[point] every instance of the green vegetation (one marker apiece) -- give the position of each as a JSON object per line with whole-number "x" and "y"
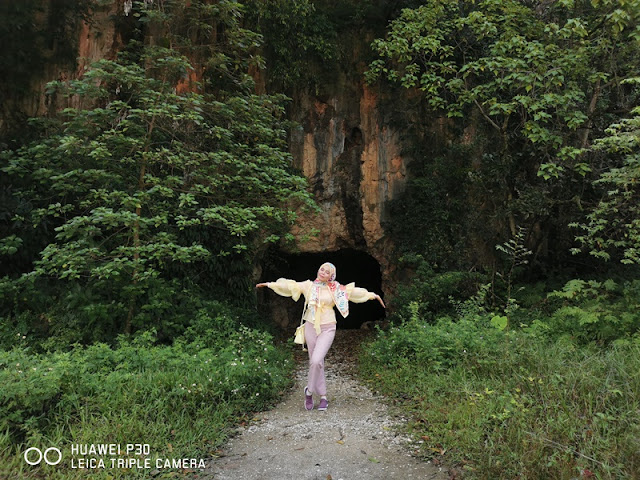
{"x": 511, "y": 405}
{"x": 613, "y": 224}
{"x": 129, "y": 192}
{"x": 133, "y": 215}
{"x": 163, "y": 168}
{"x": 181, "y": 399}
{"x": 508, "y": 380}
{"x": 310, "y": 44}
{"x": 525, "y": 365}
{"x": 527, "y": 90}
{"x": 538, "y": 401}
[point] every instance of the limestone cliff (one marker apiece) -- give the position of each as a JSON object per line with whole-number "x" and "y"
{"x": 57, "y": 49}
{"x": 353, "y": 162}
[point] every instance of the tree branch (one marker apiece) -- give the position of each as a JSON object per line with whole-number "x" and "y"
{"x": 494, "y": 124}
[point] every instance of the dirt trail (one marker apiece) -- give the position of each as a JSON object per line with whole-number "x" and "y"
{"x": 356, "y": 438}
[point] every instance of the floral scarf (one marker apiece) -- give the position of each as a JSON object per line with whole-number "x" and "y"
{"x": 338, "y": 292}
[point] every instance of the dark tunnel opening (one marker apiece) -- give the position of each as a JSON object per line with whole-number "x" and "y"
{"x": 351, "y": 266}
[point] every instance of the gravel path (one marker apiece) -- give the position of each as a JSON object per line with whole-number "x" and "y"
{"x": 356, "y": 438}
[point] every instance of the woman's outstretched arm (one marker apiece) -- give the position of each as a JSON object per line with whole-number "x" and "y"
{"x": 361, "y": 295}
{"x": 287, "y": 288}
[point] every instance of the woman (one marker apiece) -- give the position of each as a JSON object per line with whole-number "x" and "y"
{"x": 321, "y": 296}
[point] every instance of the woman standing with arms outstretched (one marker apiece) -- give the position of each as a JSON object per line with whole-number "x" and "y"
{"x": 321, "y": 295}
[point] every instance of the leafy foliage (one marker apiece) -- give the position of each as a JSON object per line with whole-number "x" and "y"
{"x": 427, "y": 218}
{"x": 587, "y": 311}
{"x": 146, "y": 195}
{"x": 144, "y": 180}
{"x": 516, "y": 254}
{"x": 297, "y": 34}
{"x": 613, "y": 226}
{"x": 521, "y": 402}
{"x": 429, "y": 294}
{"x": 531, "y": 85}
{"x": 309, "y": 45}
{"x": 522, "y": 70}
{"x": 439, "y": 346}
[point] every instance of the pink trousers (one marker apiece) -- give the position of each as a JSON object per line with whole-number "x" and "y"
{"x": 318, "y": 346}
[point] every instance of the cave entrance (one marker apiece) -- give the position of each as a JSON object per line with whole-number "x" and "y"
{"x": 351, "y": 266}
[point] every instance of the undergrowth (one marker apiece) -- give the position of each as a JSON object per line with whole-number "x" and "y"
{"x": 505, "y": 404}
{"x": 181, "y": 399}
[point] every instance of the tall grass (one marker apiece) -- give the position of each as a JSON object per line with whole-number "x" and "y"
{"x": 505, "y": 405}
{"x": 181, "y": 400}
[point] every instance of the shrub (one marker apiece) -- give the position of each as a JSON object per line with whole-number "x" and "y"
{"x": 81, "y": 316}
{"x": 441, "y": 346}
{"x": 189, "y": 393}
{"x": 588, "y": 311}
{"x": 432, "y": 292}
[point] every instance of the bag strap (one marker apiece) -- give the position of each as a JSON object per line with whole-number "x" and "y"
{"x": 304, "y": 310}
{"x": 306, "y": 304}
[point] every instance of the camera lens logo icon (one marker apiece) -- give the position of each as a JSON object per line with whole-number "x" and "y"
{"x": 36, "y": 458}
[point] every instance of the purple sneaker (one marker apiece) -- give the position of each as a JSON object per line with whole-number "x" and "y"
{"x": 324, "y": 403}
{"x": 308, "y": 399}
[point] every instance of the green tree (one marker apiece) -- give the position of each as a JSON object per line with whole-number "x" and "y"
{"x": 526, "y": 71}
{"x": 297, "y": 35}
{"x": 540, "y": 80}
{"x": 613, "y": 226}
{"x": 127, "y": 177}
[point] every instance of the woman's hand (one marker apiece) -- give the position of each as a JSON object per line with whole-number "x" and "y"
{"x": 260, "y": 285}
{"x": 377, "y": 297}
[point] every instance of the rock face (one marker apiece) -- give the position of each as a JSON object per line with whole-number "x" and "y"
{"x": 100, "y": 38}
{"x": 354, "y": 166}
